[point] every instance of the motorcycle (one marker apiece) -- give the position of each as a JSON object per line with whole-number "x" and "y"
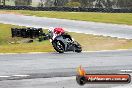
{"x": 61, "y": 43}
{"x": 64, "y": 43}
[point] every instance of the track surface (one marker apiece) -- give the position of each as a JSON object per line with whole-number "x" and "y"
{"x": 36, "y": 70}
{"x": 113, "y": 30}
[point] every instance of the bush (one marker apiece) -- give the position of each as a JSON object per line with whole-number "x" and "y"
{"x": 73, "y": 4}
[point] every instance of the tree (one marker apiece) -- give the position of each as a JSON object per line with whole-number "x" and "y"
{"x": 60, "y": 2}
{"x": 42, "y": 3}
{"x": 23, "y": 2}
{"x": 49, "y": 3}
{"x": 124, "y": 3}
{"x": 108, "y": 3}
{"x": 75, "y": 0}
{"x": 0, "y": 2}
{"x": 55, "y": 2}
{"x": 73, "y": 4}
{"x": 98, "y": 4}
{"x": 3, "y": 2}
{"x": 87, "y": 3}
{"x": 104, "y": 3}
{"x": 129, "y": 4}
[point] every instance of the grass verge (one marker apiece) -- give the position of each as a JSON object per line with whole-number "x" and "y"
{"x": 116, "y": 18}
{"x": 7, "y": 47}
{"x": 88, "y": 42}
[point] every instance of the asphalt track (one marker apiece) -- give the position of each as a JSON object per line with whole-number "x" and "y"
{"x": 54, "y": 70}
{"x": 113, "y": 30}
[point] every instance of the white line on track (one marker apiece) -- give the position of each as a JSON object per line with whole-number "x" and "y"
{"x": 4, "y": 76}
{"x": 21, "y": 75}
{"x": 124, "y": 86}
{"x": 109, "y": 50}
{"x": 126, "y": 70}
{"x": 82, "y": 51}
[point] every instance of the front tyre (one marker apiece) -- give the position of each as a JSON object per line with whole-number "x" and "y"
{"x": 58, "y": 46}
{"x": 78, "y": 47}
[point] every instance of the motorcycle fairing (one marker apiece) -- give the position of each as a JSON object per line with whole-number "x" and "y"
{"x": 63, "y": 39}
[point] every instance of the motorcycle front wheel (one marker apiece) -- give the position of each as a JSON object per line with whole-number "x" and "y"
{"x": 58, "y": 46}
{"x": 78, "y": 47}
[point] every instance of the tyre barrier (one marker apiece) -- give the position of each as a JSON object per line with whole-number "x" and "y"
{"x": 27, "y": 32}
{"x": 70, "y": 9}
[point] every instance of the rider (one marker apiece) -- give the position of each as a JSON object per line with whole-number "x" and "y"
{"x": 56, "y": 31}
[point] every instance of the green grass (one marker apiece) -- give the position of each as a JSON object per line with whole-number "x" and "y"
{"x": 96, "y": 43}
{"x": 116, "y": 18}
{"x": 6, "y": 45}
{"x": 88, "y": 42}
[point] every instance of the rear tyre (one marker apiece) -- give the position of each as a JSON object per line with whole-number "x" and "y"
{"x": 58, "y": 46}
